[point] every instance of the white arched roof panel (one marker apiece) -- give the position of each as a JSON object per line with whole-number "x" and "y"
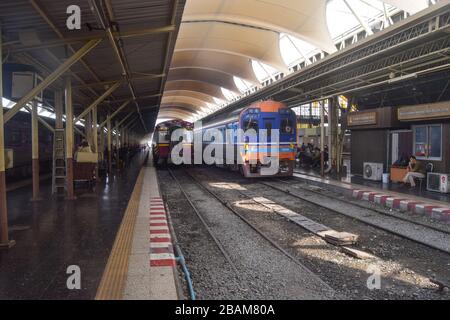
{"x": 188, "y": 93}
{"x": 305, "y": 19}
{"x": 216, "y": 78}
{"x": 410, "y": 6}
{"x": 181, "y": 105}
{"x": 184, "y": 99}
{"x": 174, "y": 112}
{"x": 202, "y": 87}
{"x": 231, "y": 64}
{"x": 248, "y": 42}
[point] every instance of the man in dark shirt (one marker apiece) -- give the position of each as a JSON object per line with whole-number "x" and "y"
{"x": 415, "y": 170}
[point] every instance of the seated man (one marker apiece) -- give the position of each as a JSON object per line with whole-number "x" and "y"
{"x": 415, "y": 170}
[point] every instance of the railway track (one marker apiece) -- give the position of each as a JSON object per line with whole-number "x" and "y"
{"x": 365, "y": 206}
{"x": 254, "y": 227}
{"x": 304, "y": 284}
{"x": 422, "y": 233}
{"x": 202, "y": 219}
{"x": 437, "y": 238}
{"x": 408, "y": 260}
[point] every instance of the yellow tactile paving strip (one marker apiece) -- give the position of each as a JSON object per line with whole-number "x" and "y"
{"x": 115, "y": 273}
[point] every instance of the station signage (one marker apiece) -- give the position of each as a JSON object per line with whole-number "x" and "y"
{"x": 424, "y": 112}
{"x": 362, "y": 118}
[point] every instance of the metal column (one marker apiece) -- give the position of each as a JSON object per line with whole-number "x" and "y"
{"x": 108, "y": 128}
{"x": 333, "y": 120}
{"x": 88, "y": 129}
{"x": 95, "y": 138}
{"x": 4, "y": 238}
{"x": 101, "y": 146}
{"x": 117, "y": 145}
{"x": 59, "y": 109}
{"x": 322, "y": 138}
{"x": 69, "y": 140}
{"x": 35, "y": 150}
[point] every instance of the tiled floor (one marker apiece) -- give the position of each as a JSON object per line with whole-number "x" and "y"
{"x": 54, "y": 234}
{"x": 396, "y": 187}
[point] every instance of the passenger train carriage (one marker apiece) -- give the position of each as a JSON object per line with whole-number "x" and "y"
{"x": 162, "y": 144}
{"x": 250, "y": 157}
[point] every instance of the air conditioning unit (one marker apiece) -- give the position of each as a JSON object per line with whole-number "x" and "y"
{"x": 373, "y": 171}
{"x": 438, "y": 182}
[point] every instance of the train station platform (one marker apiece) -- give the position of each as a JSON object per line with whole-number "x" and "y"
{"x": 54, "y": 234}
{"x": 392, "y": 196}
{"x": 142, "y": 264}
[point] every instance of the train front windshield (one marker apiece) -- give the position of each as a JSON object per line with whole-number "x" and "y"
{"x": 250, "y": 122}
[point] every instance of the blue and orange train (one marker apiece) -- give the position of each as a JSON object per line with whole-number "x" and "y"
{"x": 248, "y": 155}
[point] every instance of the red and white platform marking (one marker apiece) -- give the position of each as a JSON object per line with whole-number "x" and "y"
{"x": 161, "y": 247}
{"x": 404, "y": 204}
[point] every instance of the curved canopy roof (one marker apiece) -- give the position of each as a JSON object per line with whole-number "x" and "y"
{"x": 219, "y": 39}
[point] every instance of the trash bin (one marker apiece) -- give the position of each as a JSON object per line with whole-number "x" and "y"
{"x": 386, "y": 177}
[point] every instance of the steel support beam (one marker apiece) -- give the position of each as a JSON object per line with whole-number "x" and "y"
{"x": 123, "y": 120}
{"x": 50, "y": 79}
{"x": 141, "y": 32}
{"x": 121, "y": 57}
{"x": 69, "y": 140}
{"x": 95, "y": 138}
{"x": 111, "y": 82}
{"x": 122, "y": 106}
{"x": 41, "y": 120}
{"x": 4, "y": 237}
{"x": 359, "y": 18}
{"x": 59, "y": 109}
{"x": 322, "y": 139}
{"x": 97, "y": 101}
{"x": 35, "y": 151}
{"x": 118, "y": 146}
{"x": 109, "y": 141}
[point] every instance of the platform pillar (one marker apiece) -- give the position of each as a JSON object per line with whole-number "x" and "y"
{"x": 116, "y": 138}
{"x": 108, "y": 142}
{"x": 101, "y": 143}
{"x": 88, "y": 129}
{"x": 59, "y": 109}
{"x": 69, "y": 140}
{"x": 35, "y": 150}
{"x": 333, "y": 123}
{"x": 322, "y": 138}
{"x": 4, "y": 237}
{"x": 95, "y": 137}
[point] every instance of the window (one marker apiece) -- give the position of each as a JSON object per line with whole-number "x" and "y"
{"x": 286, "y": 126}
{"x": 428, "y": 142}
{"x": 163, "y": 137}
{"x": 250, "y": 123}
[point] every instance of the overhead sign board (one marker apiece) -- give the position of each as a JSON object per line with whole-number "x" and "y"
{"x": 424, "y": 112}
{"x": 362, "y": 118}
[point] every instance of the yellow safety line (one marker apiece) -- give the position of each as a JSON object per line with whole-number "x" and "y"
{"x": 114, "y": 276}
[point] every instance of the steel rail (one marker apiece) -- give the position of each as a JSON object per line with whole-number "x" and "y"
{"x": 251, "y": 225}
{"x": 205, "y": 224}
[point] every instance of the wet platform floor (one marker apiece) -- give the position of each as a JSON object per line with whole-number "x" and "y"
{"x": 54, "y": 234}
